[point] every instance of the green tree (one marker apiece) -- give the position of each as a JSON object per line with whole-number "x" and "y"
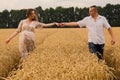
{"x": 40, "y": 13}
{"x": 16, "y": 16}
{"x": 5, "y": 18}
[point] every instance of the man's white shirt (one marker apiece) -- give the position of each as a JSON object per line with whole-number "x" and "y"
{"x": 95, "y": 28}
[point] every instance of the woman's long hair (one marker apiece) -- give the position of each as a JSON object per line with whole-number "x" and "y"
{"x": 29, "y": 12}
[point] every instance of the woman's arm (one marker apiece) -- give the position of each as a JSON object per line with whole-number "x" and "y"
{"x": 47, "y": 25}
{"x": 11, "y": 37}
{"x": 15, "y": 33}
{"x": 50, "y": 24}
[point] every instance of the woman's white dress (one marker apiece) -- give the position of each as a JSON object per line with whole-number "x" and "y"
{"x": 27, "y": 37}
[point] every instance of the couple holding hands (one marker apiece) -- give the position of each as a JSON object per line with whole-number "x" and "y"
{"x": 94, "y": 23}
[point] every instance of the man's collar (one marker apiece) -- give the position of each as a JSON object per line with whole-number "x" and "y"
{"x": 97, "y": 16}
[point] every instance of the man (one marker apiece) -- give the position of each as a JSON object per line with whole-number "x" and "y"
{"x": 95, "y": 24}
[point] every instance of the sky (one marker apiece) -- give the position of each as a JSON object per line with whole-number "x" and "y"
{"x": 25, "y": 4}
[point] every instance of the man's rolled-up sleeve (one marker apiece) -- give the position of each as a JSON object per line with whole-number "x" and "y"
{"x": 106, "y": 24}
{"x": 82, "y": 23}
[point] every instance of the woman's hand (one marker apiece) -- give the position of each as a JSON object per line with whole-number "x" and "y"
{"x": 7, "y": 41}
{"x": 57, "y": 24}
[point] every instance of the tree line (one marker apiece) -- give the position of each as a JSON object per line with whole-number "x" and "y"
{"x": 10, "y": 19}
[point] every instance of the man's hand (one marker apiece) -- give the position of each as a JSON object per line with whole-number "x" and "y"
{"x": 62, "y": 24}
{"x": 112, "y": 41}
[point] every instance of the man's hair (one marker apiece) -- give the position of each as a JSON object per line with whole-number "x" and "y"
{"x": 95, "y": 7}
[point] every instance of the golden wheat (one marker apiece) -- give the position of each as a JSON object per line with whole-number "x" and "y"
{"x": 61, "y": 54}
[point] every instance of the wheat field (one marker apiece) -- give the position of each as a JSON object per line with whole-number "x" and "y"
{"x": 60, "y": 54}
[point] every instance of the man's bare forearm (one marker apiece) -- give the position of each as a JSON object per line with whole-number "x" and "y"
{"x": 112, "y": 36}
{"x": 70, "y": 24}
{"x": 111, "y": 33}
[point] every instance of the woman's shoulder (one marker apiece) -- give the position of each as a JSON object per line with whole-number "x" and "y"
{"x": 36, "y": 22}
{"x": 23, "y": 20}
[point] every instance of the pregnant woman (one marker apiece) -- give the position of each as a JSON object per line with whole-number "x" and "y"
{"x": 27, "y": 29}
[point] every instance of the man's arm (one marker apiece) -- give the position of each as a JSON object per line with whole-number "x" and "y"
{"x": 68, "y": 24}
{"x": 50, "y": 24}
{"x": 112, "y": 36}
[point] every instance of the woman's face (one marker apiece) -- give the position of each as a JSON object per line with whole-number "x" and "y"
{"x": 32, "y": 15}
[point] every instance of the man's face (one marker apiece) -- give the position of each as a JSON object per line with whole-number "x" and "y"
{"x": 92, "y": 11}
